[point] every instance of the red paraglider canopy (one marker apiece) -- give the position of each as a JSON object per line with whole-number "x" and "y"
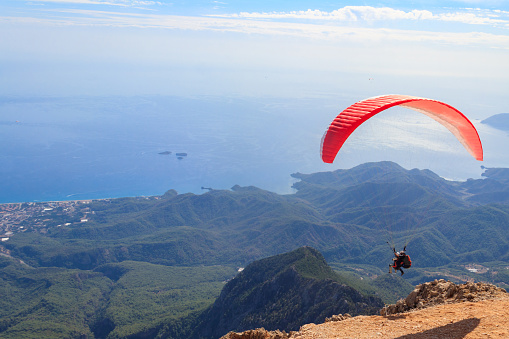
{"x": 354, "y": 116}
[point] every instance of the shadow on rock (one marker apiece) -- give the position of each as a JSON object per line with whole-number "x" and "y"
{"x": 455, "y": 330}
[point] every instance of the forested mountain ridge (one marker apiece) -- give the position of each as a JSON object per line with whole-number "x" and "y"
{"x": 180, "y": 230}
{"x": 282, "y": 292}
{"x": 448, "y": 221}
{"x": 343, "y": 214}
{"x": 392, "y": 184}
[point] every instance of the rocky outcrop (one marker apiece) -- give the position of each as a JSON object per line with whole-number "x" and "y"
{"x": 441, "y": 292}
{"x": 259, "y": 333}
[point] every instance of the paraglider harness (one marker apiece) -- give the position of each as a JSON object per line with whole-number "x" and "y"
{"x": 401, "y": 260}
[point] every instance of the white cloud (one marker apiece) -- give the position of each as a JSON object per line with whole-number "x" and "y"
{"x": 493, "y": 18}
{"x": 348, "y": 13}
{"x": 368, "y": 13}
{"x": 263, "y": 27}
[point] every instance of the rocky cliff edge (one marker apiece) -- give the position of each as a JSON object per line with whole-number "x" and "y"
{"x": 437, "y": 309}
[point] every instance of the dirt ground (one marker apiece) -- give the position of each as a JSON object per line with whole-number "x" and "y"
{"x": 482, "y": 319}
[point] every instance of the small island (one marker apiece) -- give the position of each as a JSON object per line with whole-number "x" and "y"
{"x": 498, "y": 121}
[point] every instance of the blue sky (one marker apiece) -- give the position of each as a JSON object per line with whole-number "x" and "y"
{"x": 255, "y": 48}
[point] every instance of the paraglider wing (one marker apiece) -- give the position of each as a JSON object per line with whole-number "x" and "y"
{"x": 355, "y": 115}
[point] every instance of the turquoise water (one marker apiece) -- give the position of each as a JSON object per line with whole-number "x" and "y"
{"x": 84, "y": 148}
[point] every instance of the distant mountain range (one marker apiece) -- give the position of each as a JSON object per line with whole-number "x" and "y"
{"x": 129, "y": 247}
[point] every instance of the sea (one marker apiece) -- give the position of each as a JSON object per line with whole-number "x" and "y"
{"x": 76, "y": 148}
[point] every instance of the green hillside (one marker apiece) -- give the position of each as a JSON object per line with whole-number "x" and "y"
{"x": 114, "y": 301}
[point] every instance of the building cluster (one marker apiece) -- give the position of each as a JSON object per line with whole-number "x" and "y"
{"x": 39, "y": 216}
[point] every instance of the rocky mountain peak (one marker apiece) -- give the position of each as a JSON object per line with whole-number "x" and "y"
{"x": 283, "y": 292}
{"x": 440, "y": 292}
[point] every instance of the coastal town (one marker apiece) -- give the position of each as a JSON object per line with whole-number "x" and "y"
{"x": 40, "y": 216}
